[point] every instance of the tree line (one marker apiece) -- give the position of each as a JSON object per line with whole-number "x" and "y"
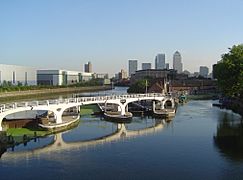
{"x": 229, "y": 72}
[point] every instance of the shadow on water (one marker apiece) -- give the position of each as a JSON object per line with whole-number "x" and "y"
{"x": 229, "y": 137}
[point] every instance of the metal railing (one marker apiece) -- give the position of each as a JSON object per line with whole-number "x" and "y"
{"x": 10, "y": 106}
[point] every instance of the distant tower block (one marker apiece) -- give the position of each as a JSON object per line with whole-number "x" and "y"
{"x": 177, "y": 64}
{"x": 88, "y": 67}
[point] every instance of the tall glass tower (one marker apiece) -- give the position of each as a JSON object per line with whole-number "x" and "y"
{"x": 177, "y": 64}
{"x": 132, "y": 66}
{"x": 160, "y": 61}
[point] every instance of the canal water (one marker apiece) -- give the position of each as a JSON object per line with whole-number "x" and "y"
{"x": 201, "y": 142}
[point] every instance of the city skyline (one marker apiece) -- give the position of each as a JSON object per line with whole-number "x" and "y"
{"x": 64, "y": 35}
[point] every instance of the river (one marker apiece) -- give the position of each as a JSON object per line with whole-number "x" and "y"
{"x": 201, "y": 142}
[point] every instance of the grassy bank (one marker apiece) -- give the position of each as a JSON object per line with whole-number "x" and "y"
{"x": 19, "y": 135}
{"x": 46, "y": 93}
{"x": 89, "y": 109}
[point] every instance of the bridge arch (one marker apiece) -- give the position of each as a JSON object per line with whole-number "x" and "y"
{"x": 60, "y": 105}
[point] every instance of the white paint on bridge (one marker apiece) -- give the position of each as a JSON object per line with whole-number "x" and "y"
{"x": 58, "y": 106}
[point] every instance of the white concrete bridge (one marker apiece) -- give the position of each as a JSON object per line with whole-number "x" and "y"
{"x": 58, "y": 106}
{"x": 59, "y": 145}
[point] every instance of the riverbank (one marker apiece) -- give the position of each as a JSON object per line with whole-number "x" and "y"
{"x": 234, "y": 104}
{"x": 45, "y": 93}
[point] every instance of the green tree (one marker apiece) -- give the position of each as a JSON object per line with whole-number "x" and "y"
{"x": 138, "y": 87}
{"x": 229, "y": 71}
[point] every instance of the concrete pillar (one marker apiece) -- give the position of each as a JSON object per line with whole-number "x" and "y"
{"x": 123, "y": 109}
{"x": 58, "y": 116}
{"x": 153, "y": 106}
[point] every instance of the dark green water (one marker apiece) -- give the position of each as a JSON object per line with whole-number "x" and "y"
{"x": 201, "y": 142}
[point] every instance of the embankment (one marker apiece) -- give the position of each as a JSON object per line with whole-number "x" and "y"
{"x": 8, "y": 96}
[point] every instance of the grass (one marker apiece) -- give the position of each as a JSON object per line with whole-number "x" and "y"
{"x": 89, "y": 109}
{"x": 25, "y": 131}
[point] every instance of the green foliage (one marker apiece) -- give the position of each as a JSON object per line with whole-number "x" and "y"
{"x": 139, "y": 86}
{"x": 229, "y": 71}
{"x": 7, "y": 86}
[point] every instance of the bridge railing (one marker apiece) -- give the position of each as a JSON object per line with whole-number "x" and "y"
{"x": 9, "y": 106}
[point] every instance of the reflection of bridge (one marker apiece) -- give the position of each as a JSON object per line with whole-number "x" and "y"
{"x": 59, "y": 145}
{"x": 60, "y": 105}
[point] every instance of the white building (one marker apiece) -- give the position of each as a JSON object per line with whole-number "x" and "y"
{"x": 203, "y": 71}
{"x": 146, "y": 66}
{"x": 177, "y": 64}
{"x": 17, "y": 74}
{"x": 61, "y": 77}
{"x": 160, "y": 61}
{"x": 132, "y": 67}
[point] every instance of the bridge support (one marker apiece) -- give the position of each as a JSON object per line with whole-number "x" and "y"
{"x": 123, "y": 109}
{"x": 58, "y": 116}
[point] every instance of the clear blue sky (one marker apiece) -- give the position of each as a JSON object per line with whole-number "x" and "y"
{"x": 68, "y": 33}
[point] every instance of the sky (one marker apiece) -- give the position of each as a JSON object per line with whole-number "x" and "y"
{"x": 65, "y": 34}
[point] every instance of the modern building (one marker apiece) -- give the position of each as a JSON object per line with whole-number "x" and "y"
{"x": 160, "y": 61}
{"x": 146, "y": 66}
{"x": 17, "y": 75}
{"x": 132, "y": 67}
{"x": 203, "y": 71}
{"x": 177, "y": 64}
{"x": 88, "y": 67}
{"x": 61, "y": 77}
{"x": 101, "y": 76}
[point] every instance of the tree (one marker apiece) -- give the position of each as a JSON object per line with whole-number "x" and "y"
{"x": 229, "y": 71}
{"x": 138, "y": 87}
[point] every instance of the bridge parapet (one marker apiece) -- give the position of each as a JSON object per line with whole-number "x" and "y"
{"x": 10, "y": 106}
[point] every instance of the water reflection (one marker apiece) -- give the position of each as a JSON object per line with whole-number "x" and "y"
{"x": 229, "y": 137}
{"x": 58, "y": 143}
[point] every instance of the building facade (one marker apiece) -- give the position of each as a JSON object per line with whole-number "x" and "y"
{"x": 153, "y": 74}
{"x": 17, "y": 74}
{"x": 146, "y": 66}
{"x": 132, "y": 67}
{"x": 203, "y": 71}
{"x": 88, "y": 67}
{"x": 160, "y": 61}
{"x": 177, "y": 64}
{"x": 61, "y": 77}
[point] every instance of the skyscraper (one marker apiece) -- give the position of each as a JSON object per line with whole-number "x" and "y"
{"x": 132, "y": 66}
{"x": 88, "y": 67}
{"x": 177, "y": 64}
{"x": 203, "y": 71}
{"x": 160, "y": 61}
{"x": 146, "y": 66}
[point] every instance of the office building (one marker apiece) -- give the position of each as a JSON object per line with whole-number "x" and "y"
{"x": 88, "y": 67}
{"x": 203, "y": 71}
{"x": 146, "y": 66}
{"x": 160, "y": 61}
{"x": 177, "y": 64}
{"x": 61, "y": 77}
{"x": 132, "y": 67}
{"x": 17, "y": 75}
